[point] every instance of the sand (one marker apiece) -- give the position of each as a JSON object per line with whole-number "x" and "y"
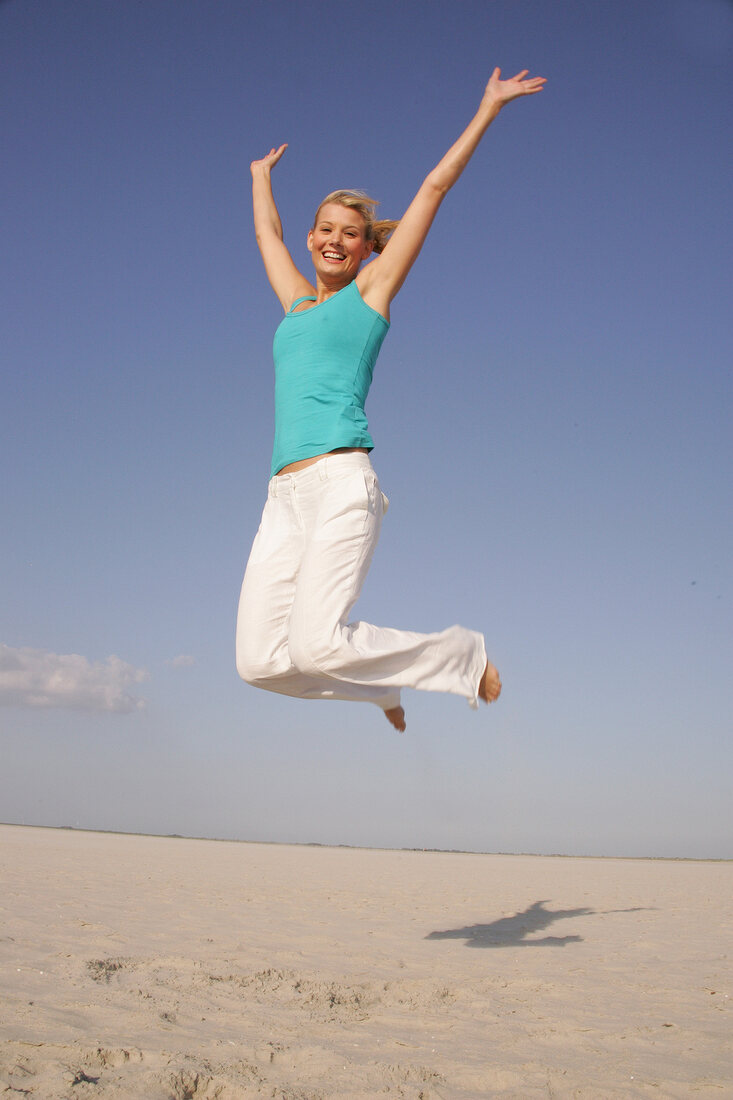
{"x": 156, "y": 968}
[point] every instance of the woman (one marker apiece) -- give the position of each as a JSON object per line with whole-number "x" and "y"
{"x": 324, "y": 510}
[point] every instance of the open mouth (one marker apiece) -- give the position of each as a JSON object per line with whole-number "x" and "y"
{"x": 333, "y": 257}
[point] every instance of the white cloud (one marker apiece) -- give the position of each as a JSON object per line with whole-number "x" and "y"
{"x": 36, "y": 678}
{"x": 182, "y": 661}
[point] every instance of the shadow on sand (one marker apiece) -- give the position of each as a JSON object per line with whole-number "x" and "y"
{"x": 513, "y": 931}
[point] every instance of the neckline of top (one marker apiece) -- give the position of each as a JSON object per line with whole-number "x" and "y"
{"x": 312, "y": 298}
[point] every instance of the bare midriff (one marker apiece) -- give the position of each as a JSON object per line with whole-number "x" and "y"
{"x": 293, "y": 467}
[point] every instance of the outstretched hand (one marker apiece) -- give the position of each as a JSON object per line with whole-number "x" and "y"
{"x": 268, "y": 162}
{"x": 500, "y": 91}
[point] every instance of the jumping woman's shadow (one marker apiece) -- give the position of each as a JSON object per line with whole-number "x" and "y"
{"x": 513, "y": 931}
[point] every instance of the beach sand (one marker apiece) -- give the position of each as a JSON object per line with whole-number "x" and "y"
{"x": 155, "y": 968}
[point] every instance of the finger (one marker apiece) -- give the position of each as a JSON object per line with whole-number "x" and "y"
{"x": 521, "y": 76}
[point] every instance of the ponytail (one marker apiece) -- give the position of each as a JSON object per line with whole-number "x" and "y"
{"x": 381, "y": 232}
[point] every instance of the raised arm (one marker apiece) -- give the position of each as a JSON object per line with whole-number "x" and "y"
{"x": 285, "y": 279}
{"x": 380, "y": 280}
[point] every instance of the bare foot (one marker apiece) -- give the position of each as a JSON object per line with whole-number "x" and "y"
{"x": 396, "y": 715}
{"x": 490, "y": 686}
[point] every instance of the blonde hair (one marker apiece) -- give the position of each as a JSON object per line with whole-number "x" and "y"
{"x": 377, "y": 231}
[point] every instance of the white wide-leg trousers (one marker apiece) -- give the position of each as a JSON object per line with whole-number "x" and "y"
{"x": 306, "y": 569}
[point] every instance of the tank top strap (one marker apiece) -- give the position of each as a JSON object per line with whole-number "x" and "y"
{"x": 305, "y": 298}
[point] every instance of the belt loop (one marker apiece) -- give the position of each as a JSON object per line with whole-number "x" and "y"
{"x": 323, "y": 469}
{"x": 273, "y": 486}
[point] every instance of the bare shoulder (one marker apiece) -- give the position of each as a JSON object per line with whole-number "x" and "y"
{"x": 288, "y": 283}
{"x": 374, "y": 291}
{"x": 303, "y": 290}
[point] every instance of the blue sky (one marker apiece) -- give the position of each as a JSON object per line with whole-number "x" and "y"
{"x": 551, "y": 411}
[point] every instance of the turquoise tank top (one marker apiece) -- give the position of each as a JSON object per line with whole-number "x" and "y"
{"x": 324, "y": 361}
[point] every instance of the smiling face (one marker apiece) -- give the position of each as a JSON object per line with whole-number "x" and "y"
{"x": 338, "y": 243}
